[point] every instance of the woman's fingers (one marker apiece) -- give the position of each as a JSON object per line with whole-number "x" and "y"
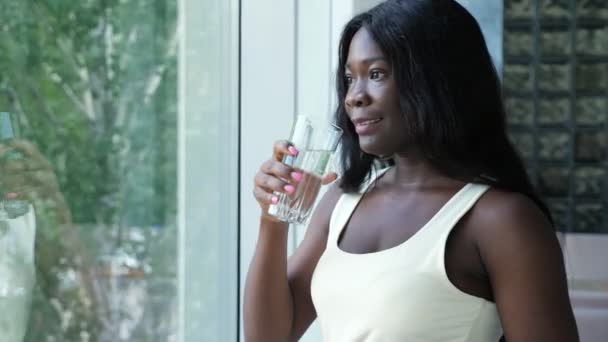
{"x": 273, "y": 184}
{"x": 25, "y": 173}
{"x": 39, "y": 178}
{"x": 329, "y": 177}
{"x": 275, "y": 176}
{"x": 282, "y": 148}
{"x": 282, "y": 171}
{"x": 31, "y": 184}
{"x": 264, "y": 197}
{"x": 30, "y": 157}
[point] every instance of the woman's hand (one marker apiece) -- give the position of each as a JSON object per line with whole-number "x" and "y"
{"x": 26, "y": 175}
{"x": 275, "y": 176}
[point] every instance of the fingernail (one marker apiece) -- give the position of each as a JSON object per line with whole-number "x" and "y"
{"x": 289, "y": 188}
{"x": 274, "y": 200}
{"x": 293, "y": 150}
{"x": 297, "y": 176}
{"x": 10, "y": 195}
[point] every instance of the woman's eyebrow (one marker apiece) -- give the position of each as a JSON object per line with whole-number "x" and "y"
{"x": 368, "y": 60}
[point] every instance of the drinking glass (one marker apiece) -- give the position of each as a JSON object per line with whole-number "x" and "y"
{"x": 11, "y": 208}
{"x": 316, "y": 141}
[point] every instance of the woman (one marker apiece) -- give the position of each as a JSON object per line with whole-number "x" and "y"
{"x": 38, "y": 247}
{"x": 447, "y": 243}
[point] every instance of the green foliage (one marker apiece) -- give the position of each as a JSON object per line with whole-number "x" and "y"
{"x": 93, "y": 85}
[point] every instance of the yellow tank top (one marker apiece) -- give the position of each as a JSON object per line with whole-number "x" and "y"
{"x": 402, "y": 293}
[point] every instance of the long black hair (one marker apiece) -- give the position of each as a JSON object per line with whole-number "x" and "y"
{"x": 449, "y": 90}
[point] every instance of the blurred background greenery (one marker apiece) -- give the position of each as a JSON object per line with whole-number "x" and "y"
{"x": 93, "y": 85}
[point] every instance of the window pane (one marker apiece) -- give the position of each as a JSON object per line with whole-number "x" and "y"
{"x": 88, "y": 229}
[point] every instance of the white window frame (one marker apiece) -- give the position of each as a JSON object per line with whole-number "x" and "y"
{"x": 208, "y": 170}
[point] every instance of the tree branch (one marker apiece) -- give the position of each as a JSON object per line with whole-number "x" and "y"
{"x": 87, "y": 102}
{"x": 69, "y": 92}
{"x": 13, "y": 97}
{"x": 153, "y": 80}
{"x": 40, "y": 99}
{"x": 156, "y": 76}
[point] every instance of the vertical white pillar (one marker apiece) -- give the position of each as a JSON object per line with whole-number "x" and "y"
{"x": 208, "y": 155}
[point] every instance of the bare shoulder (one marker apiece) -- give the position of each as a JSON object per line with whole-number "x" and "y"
{"x": 523, "y": 259}
{"x": 500, "y": 215}
{"x": 509, "y": 229}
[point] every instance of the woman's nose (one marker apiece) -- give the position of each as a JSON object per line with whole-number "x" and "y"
{"x": 357, "y": 96}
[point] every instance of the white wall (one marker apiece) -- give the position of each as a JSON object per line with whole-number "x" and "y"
{"x": 267, "y": 101}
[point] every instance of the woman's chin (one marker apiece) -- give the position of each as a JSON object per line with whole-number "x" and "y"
{"x": 373, "y": 149}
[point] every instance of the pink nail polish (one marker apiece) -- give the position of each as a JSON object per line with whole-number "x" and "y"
{"x": 293, "y": 150}
{"x": 290, "y": 189}
{"x": 274, "y": 200}
{"x": 297, "y": 176}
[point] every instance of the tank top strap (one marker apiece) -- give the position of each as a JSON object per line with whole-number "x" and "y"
{"x": 457, "y": 207}
{"x": 448, "y": 218}
{"x": 346, "y": 206}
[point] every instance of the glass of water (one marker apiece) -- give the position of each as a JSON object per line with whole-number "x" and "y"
{"x": 316, "y": 142}
{"x": 11, "y": 208}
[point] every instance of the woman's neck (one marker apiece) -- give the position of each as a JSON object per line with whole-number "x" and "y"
{"x": 412, "y": 170}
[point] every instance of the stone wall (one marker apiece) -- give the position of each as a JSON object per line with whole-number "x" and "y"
{"x": 556, "y": 88}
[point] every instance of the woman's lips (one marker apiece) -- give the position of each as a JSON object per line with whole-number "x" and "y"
{"x": 366, "y": 126}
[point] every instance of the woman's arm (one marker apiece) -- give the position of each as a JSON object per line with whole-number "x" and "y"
{"x": 524, "y": 261}
{"x": 277, "y": 305}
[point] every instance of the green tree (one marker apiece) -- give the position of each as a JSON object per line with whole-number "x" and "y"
{"x": 93, "y": 85}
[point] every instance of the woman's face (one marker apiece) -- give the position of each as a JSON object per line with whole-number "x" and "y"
{"x": 372, "y": 98}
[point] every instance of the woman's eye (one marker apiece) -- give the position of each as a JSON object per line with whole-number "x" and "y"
{"x": 375, "y": 74}
{"x": 348, "y": 79}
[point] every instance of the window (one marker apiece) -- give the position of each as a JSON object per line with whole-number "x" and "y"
{"x": 119, "y": 160}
